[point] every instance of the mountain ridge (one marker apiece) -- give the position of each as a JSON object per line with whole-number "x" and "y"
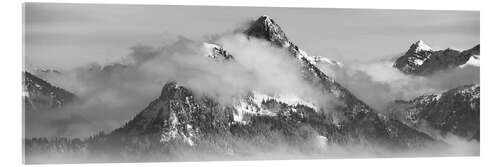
{"x": 39, "y": 94}
{"x": 454, "y": 111}
{"x": 421, "y": 59}
{"x": 363, "y": 123}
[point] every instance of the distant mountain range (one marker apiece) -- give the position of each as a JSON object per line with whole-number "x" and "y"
{"x": 421, "y": 59}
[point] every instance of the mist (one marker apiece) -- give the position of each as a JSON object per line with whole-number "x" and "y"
{"x": 115, "y": 93}
{"x": 307, "y": 145}
{"x": 378, "y": 83}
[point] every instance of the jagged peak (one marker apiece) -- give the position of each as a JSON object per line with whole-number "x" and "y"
{"x": 420, "y": 46}
{"x": 266, "y": 19}
{"x": 171, "y": 89}
{"x": 266, "y": 28}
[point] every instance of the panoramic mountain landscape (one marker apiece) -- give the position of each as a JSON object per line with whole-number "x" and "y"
{"x": 252, "y": 94}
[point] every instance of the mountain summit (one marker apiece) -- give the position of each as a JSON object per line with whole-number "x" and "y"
{"x": 266, "y": 28}
{"x": 419, "y": 46}
{"x": 421, "y": 59}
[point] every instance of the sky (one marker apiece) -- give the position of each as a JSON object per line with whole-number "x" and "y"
{"x": 64, "y": 36}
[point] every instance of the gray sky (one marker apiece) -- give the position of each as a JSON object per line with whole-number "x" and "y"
{"x": 69, "y": 35}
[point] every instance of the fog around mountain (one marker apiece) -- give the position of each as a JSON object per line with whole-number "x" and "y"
{"x": 144, "y": 95}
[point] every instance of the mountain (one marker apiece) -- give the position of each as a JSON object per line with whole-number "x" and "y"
{"x": 179, "y": 118}
{"x": 455, "y": 111}
{"x": 421, "y": 59}
{"x": 217, "y": 52}
{"x": 41, "y": 95}
{"x": 360, "y": 117}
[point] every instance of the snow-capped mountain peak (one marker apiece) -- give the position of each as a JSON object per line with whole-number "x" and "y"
{"x": 265, "y": 27}
{"x": 180, "y": 115}
{"x": 421, "y": 46}
{"x": 420, "y": 59}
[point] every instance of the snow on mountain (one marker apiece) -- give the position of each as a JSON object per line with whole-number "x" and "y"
{"x": 473, "y": 61}
{"x": 354, "y": 109}
{"x": 421, "y": 46}
{"x": 455, "y": 111}
{"x": 170, "y": 131}
{"x": 420, "y": 59}
{"x": 38, "y": 94}
{"x": 265, "y": 27}
{"x": 254, "y": 104}
{"x": 178, "y": 116}
{"x": 216, "y": 52}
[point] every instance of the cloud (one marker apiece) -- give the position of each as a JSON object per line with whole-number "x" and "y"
{"x": 63, "y": 125}
{"x": 118, "y": 91}
{"x": 123, "y": 89}
{"x": 378, "y": 83}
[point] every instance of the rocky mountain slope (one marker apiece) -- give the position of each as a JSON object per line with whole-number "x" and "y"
{"x": 40, "y": 95}
{"x": 178, "y": 117}
{"x": 421, "y": 59}
{"x": 455, "y": 111}
{"x": 358, "y": 114}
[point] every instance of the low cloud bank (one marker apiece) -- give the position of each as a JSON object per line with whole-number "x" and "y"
{"x": 116, "y": 92}
{"x": 378, "y": 83}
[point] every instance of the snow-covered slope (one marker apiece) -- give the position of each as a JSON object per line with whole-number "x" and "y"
{"x": 179, "y": 116}
{"x": 455, "y": 111}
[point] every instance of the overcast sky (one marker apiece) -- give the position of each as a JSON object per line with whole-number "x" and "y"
{"x": 68, "y": 35}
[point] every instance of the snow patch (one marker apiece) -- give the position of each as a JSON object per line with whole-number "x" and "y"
{"x": 209, "y": 49}
{"x": 418, "y": 62}
{"x": 253, "y": 105}
{"x": 421, "y": 46}
{"x": 170, "y": 131}
{"x": 289, "y": 99}
{"x": 473, "y": 61}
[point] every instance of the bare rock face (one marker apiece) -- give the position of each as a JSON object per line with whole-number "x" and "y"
{"x": 455, "y": 111}
{"x": 420, "y": 59}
